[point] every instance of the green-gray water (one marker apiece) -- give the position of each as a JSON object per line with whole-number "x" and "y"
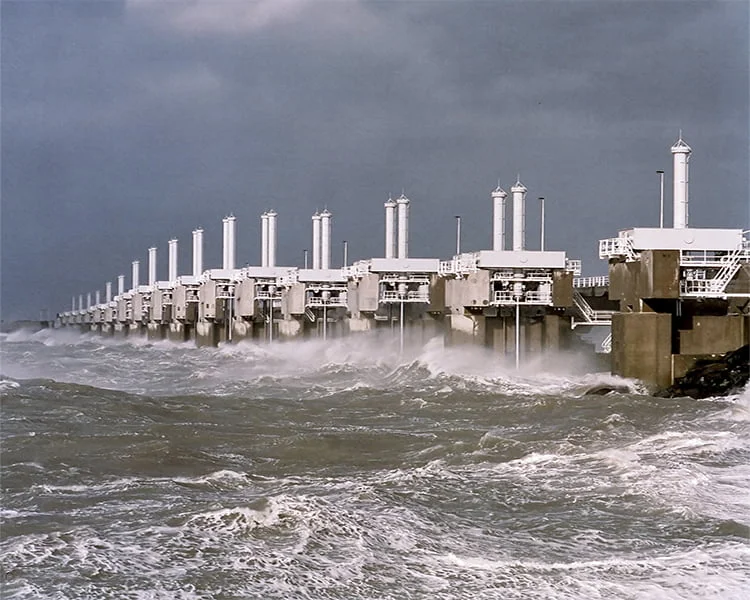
{"x": 304, "y": 470}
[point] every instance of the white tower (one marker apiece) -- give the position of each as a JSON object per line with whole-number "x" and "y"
{"x": 498, "y": 219}
{"x": 264, "y": 239}
{"x": 390, "y": 228}
{"x": 88, "y": 300}
{"x": 197, "y": 252}
{"x": 325, "y": 239}
{"x": 519, "y": 215}
{"x": 98, "y": 298}
{"x": 151, "y": 266}
{"x": 271, "y": 238}
{"x": 108, "y": 292}
{"x": 403, "y": 226}
{"x": 172, "y": 259}
{"x": 120, "y": 285}
{"x": 74, "y": 303}
{"x": 135, "y": 275}
{"x": 316, "y": 241}
{"x": 229, "y": 246}
{"x": 80, "y": 302}
{"x": 681, "y": 154}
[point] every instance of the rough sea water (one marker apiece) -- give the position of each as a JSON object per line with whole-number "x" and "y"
{"x": 344, "y": 470}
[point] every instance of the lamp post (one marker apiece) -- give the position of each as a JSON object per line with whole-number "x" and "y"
{"x": 458, "y": 235}
{"x": 660, "y": 173}
{"x": 541, "y": 236}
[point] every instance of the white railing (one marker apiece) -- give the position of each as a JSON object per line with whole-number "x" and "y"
{"x": 616, "y": 248}
{"x": 389, "y": 296}
{"x": 508, "y": 297}
{"x": 288, "y": 279}
{"x": 588, "y": 282}
{"x": 447, "y": 268}
{"x": 607, "y": 344}
{"x": 698, "y": 284}
{"x": 358, "y": 270}
{"x": 573, "y": 265}
{"x": 590, "y": 316}
{"x": 409, "y": 278}
{"x": 459, "y": 266}
{"x": 332, "y": 301}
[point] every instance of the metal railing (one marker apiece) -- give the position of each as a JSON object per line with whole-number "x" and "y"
{"x": 588, "y": 282}
{"x": 508, "y": 297}
{"x": 389, "y": 296}
{"x": 616, "y": 248}
{"x": 332, "y": 301}
{"x": 573, "y": 265}
{"x": 607, "y": 344}
{"x": 590, "y": 316}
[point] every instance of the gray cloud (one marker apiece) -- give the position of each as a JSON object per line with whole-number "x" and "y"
{"x": 125, "y": 124}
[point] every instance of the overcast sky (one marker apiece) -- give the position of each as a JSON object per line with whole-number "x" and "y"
{"x": 127, "y": 123}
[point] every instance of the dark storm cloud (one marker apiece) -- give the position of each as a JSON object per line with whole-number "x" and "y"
{"x": 126, "y": 124}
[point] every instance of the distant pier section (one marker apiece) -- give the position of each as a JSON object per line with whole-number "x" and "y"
{"x": 672, "y": 295}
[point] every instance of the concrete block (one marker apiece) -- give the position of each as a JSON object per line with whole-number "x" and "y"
{"x": 244, "y": 298}
{"x": 293, "y": 300}
{"x": 437, "y": 294}
{"x": 642, "y": 347}
{"x": 368, "y": 293}
{"x": 562, "y": 289}
{"x": 659, "y": 274}
{"x": 714, "y": 334}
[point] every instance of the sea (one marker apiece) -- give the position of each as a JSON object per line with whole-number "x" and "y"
{"x": 346, "y": 469}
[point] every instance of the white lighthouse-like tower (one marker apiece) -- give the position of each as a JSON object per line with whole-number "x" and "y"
{"x": 390, "y": 228}
{"x": 519, "y": 215}
{"x": 403, "y": 226}
{"x": 681, "y": 155}
{"x": 498, "y": 219}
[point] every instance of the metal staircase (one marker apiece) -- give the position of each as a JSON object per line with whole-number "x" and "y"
{"x": 588, "y": 314}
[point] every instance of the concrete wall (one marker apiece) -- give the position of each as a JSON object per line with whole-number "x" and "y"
{"x": 642, "y": 347}
{"x": 714, "y": 334}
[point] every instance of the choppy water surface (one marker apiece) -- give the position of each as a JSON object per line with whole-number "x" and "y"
{"x": 136, "y": 470}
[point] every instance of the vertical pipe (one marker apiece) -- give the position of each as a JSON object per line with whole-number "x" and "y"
{"x": 390, "y": 228}
{"x": 172, "y": 259}
{"x": 346, "y": 253}
{"x": 325, "y": 322}
{"x": 458, "y": 235}
{"x": 197, "y": 252}
{"x": 151, "y": 266}
{"x": 88, "y": 300}
{"x": 681, "y": 153}
{"x": 519, "y": 216}
{"x": 403, "y": 226}
{"x": 541, "y": 233}
{"x": 661, "y": 199}
{"x": 108, "y": 292}
{"x": 232, "y": 252}
{"x": 316, "y": 241}
{"x": 264, "y": 240}
{"x": 271, "y": 252}
{"x": 98, "y": 297}
{"x": 325, "y": 239}
{"x": 498, "y": 219}
{"x": 518, "y": 334}
{"x": 74, "y": 304}
{"x": 401, "y": 328}
{"x": 135, "y": 279}
{"x": 80, "y": 302}
{"x": 120, "y": 285}
{"x": 304, "y": 257}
